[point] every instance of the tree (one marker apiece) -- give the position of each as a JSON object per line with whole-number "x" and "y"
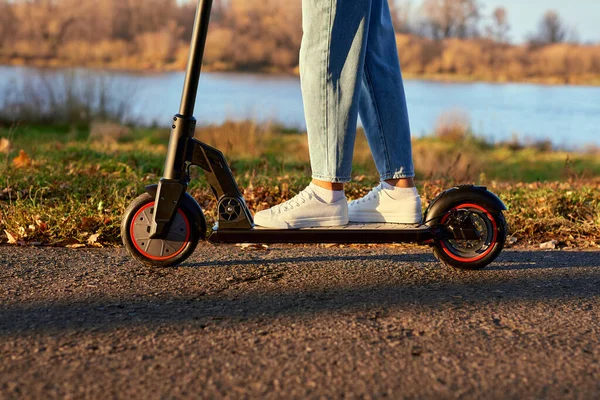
{"x": 8, "y": 23}
{"x": 498, "y": 30}
{"x": 266, "y": 32}
{"x": 551, "y": 29}
{"x": 401, "y": 16}
{"x": 451, "y": 18}
{"x": 185, "y": 17}
{"x": 49, "y": 21}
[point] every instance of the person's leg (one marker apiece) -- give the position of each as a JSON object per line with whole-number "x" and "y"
{"x": 384, "y": 114}
{"x": 383, "y": 108}
{"x": 331, "y": 70}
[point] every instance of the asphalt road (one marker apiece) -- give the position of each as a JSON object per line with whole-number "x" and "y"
{"x": 298, "y": 322}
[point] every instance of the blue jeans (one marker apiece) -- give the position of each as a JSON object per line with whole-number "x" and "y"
{"x": 349, "y": 66}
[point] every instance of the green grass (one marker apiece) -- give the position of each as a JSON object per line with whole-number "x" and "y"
{"x": 75, "y": 188}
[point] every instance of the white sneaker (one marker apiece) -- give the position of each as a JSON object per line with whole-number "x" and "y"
{"x": 379, "y": 207}
{"x": 306, "y": 210}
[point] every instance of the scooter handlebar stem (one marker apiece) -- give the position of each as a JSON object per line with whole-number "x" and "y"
{"x": 194, "y": 66}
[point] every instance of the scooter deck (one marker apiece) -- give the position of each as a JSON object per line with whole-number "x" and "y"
{"x": 365, "y": 226}
{"x": 352, "y": 233}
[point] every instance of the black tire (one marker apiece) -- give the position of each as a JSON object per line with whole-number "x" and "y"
{"x": 180, "y": 242}
{"x": 473, "y": 255}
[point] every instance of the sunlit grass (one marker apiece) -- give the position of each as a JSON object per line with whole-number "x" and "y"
{"x": 73, "y": 187}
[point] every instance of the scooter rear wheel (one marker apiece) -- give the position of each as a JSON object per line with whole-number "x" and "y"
{"x": 473, "y": 254}
{"x": 179, "y": 243}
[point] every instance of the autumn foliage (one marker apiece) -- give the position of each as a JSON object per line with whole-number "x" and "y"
{"x": 484, "y": 59}
{"x": 265, "y": 35}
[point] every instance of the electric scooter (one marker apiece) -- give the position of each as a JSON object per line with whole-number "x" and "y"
{"x": 465, "y": 225}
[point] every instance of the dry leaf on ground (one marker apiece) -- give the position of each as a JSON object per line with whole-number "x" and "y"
{"x": 11, "y": 238}
{"x": 253, "y": 246}
{"x": 93, "y": 240}
{"x": 551, "y": 245}
{"x": 5, "y": 145}
{"x": 75, "y": 246}
{"x": 22, "y": 160}
{"x": 42, "y": 226}
{"x": 88, "y": 223}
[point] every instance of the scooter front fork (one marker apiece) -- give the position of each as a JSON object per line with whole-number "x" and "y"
{"x": 183, "y": 152}
{"x": 173, "y": 185}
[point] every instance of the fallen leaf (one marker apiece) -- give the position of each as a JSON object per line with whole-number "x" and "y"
{"x": 42, "y": 226}
{"x": 551, "y": 245}
{"x": 93, "y": 239}
{"x": 22, "y": 160}
{"x": 253, "y": 246}
{"x": 75, "y": 246}
{"x": 5, "y": 145}
{"x": 88, "y": 223}
{"x": 11, "y": 238}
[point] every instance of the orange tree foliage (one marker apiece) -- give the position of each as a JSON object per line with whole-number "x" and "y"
{"x": 255, "y": 35}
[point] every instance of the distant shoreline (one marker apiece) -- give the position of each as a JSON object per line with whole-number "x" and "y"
{"x": 449, "y": 78}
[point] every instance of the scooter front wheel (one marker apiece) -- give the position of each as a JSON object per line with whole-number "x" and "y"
{"x": 179, "y": 242}
{"x": 473, "y": 254}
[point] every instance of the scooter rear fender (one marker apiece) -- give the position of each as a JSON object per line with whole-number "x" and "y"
{"x": 460, "y": 195}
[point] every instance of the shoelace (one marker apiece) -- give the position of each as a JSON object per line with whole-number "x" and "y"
{"x": 297, "y": 201}
{"x": 372, "y": 195}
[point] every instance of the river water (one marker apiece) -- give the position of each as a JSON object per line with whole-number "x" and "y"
{"x": 568, "y": 116}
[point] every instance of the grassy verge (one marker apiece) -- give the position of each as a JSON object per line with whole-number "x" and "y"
{"x": 68, "y": 189}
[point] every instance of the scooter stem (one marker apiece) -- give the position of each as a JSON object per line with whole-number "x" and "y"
{"x": 184, "y": 123}
{"x": 190, "y": 88}
{"x": 173, "y": 185}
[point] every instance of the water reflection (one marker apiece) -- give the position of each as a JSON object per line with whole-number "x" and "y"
{"x": 569, "y": 116}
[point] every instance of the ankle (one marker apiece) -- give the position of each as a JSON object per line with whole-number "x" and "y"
{"x": 400, "y": 193}
{"x": 328, "y": 185}
{"x": 326, "y": 195}
{"x": 406, "y": 183}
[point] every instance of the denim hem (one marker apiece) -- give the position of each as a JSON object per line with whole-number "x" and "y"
{"x": 397, "y": 175}
{"x": 331, "y": 179}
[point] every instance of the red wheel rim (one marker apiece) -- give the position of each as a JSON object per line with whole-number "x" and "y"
{"x": 137, "y": 242}
{"x": 492, "y": 243}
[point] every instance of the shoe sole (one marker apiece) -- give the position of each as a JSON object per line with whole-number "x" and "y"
{"x": 378, "y": 218}
{"x": 306, "y": 223}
